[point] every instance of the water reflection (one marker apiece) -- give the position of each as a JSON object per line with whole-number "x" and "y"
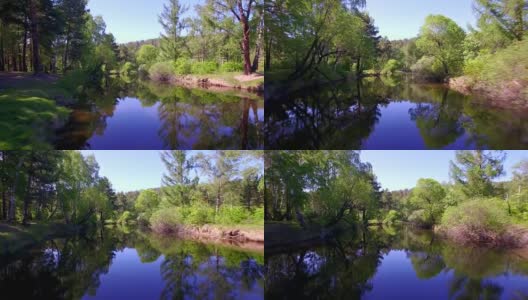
{"x": 119, "y": 265}
{"x": 149, "y": 116}
{"x": 396, "y": 265}
{"x": 389, "y": 114}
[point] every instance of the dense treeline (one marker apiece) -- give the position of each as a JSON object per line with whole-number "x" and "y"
{"x": 53, "y": 36}
{"x": 42, "y": 186}
{"x": 327, "y": 187}
{"x": 319, "y": 187}
{"x": 231, "y": 194}
{"x": 327, "y": 39}
{"x": 224, "y": 36}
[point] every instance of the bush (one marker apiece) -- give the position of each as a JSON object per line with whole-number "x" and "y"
{"x": 428, "y": 68}
{"x": 125, "y": 217}
{"x": 420, "y": 218}
{"x": 232, "y": 215}
{"x": 182, "y": 66}
{"x": 231, "y": 66}
{"x": 206, "y": 67}
{"x": 478, "y": 221}
{"x": 391, "y": 217}
{"x": 390, "y": 67}
{"x": 161, "y": 72}
{"x": 127, "y": 69}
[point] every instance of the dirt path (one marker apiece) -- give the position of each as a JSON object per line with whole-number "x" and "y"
{"x": 17, "y": 80}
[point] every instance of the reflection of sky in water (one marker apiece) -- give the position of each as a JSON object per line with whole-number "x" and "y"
{"x": 129, "y": 278}
{"x": 396, "y": 278}
{"x": 135, "y": 126}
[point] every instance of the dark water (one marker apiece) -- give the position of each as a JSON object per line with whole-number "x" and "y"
{"x": 389, "y": 114}
{"x": 151, "y": 117}
{"x": 395, "y": 265}
{"x": 120, "y": 265}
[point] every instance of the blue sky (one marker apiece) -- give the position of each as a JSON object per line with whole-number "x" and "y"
{"x": 402, "y": 169}
{"x": 133, "y": 170}
{"x": 133, "y": 20}
{"x": 403, "y": 18}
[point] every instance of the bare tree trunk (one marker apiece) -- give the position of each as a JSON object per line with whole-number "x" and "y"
{"x": 34, "y": 36}
{"x": 258, "y": 47}
{"x": 24, "y": 47}
{"x": 245, "y": 41}
{"x": 12, "y": 199}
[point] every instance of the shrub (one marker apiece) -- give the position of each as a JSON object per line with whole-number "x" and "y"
{"x": 125, "y": 217}
{"x": 182, "y": 66}
{"x": 427, "y": 68}
{"x": 199, "y": 215}
{"x": 232, "y": 215}
{"x": 478, "y": 221}
{"x": 231, "y": 66}
{"x": 161, "y": 72}
{"x": 206, "y": 67}
{"x": 420, "y": 218}
{"x": 391, "y": 217}
{"x": 391, "y": 66}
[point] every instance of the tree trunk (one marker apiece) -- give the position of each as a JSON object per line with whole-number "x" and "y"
{"x": 245, "y": 41}
{"x": 27, "y": 200}
{"x": 4, "y": 203}
{"x": 12, "y": 199}
{"x": 217, "y": 205}
{"x": 34, "y": 35}
{"x": 24, "y": 48}
{"x": 267, "y": 60}
{"x": 258, "y": 47}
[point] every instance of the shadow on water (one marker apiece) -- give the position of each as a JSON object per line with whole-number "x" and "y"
{"x": 117, "y": 264}
{"x": 395, "y": 264}
{"x": 389, "y": 114}
{"x": 141, "y": 115}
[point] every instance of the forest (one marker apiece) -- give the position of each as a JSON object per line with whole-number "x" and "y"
{"x": 335, "y": 189}
{"x": 61, "y": 37}
{"x": 340, "y": 39}
{"x": 231, "y": 195}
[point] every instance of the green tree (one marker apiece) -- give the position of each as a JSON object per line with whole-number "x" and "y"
{"x": 146, "y": 203}
{"x": 428, "y": 195}
{"x": 172, "y": 22}
{"x": 147, "y": 55}
{"x": 473, "y": 172}
{"x": 178, "y": 185}
{"x": 441, "y": 38}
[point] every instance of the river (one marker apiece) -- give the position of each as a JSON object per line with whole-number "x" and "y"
{"x": 129, "y": 264}
{"x": 390, "y": 114}
{"x": 146, "y": 116}
{"x": 395, "y": 264}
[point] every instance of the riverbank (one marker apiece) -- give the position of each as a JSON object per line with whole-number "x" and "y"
{"x": 232, "y": 80}
{"x": 33, "y": 107}
{"x": 243, "y": 236}
{"x": 507, "y": 94}
{"x": 512, "y": 237}
{"x": 17, "y": 238}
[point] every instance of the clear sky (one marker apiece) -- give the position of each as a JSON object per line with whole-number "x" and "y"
{"x": 133, "y": 20}
{"x": 403, "y": 18}
{"x": 402, "y": 169}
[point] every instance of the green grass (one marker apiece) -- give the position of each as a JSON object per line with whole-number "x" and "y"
{"x": 29, "y": 111}
{"x": 14, "y": 238}
{"x": 229, "y": 77}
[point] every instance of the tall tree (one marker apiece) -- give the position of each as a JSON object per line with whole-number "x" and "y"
{"x": 173, "y": 24}
{"x": 473, "y": 172}
{"x": 177, "y": 183}
{"x": 509, "y": 16}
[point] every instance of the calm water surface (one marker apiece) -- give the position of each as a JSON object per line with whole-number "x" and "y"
{"x": 389, "y": 114}
{"x": 395, "y": 265}
{"x": 119, "y": 265}
{"x": 154, "y": 117}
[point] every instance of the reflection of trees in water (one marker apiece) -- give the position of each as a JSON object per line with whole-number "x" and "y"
{"x": 334, "y": 116}
{"x": 345, "y": 267}
{"x": 71, "y": 268}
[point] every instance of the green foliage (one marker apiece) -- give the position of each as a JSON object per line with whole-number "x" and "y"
{"x": 183, "y": 66}
{"x": 161, "y": 72}
{"x": 146, "y": 203}
{"x": 231, "y": 67}
{"x": 427, "y": 68}
{"x": 391, "y": 217}
{"x": 125, "y": 217}
{"x": 232, "y": 215}
{"x": 441, "y": 38}
{"x": 127, "y": 69}
{"x": 477, "y": 215}
{"x": 202, "y": 68}
{"x": 391, "y": 67}
{"x": 147, "y": 55}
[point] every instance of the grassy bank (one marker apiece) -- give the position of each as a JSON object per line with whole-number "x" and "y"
{"x": 31, "y": 110}
{"x": 15, "y": 238}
